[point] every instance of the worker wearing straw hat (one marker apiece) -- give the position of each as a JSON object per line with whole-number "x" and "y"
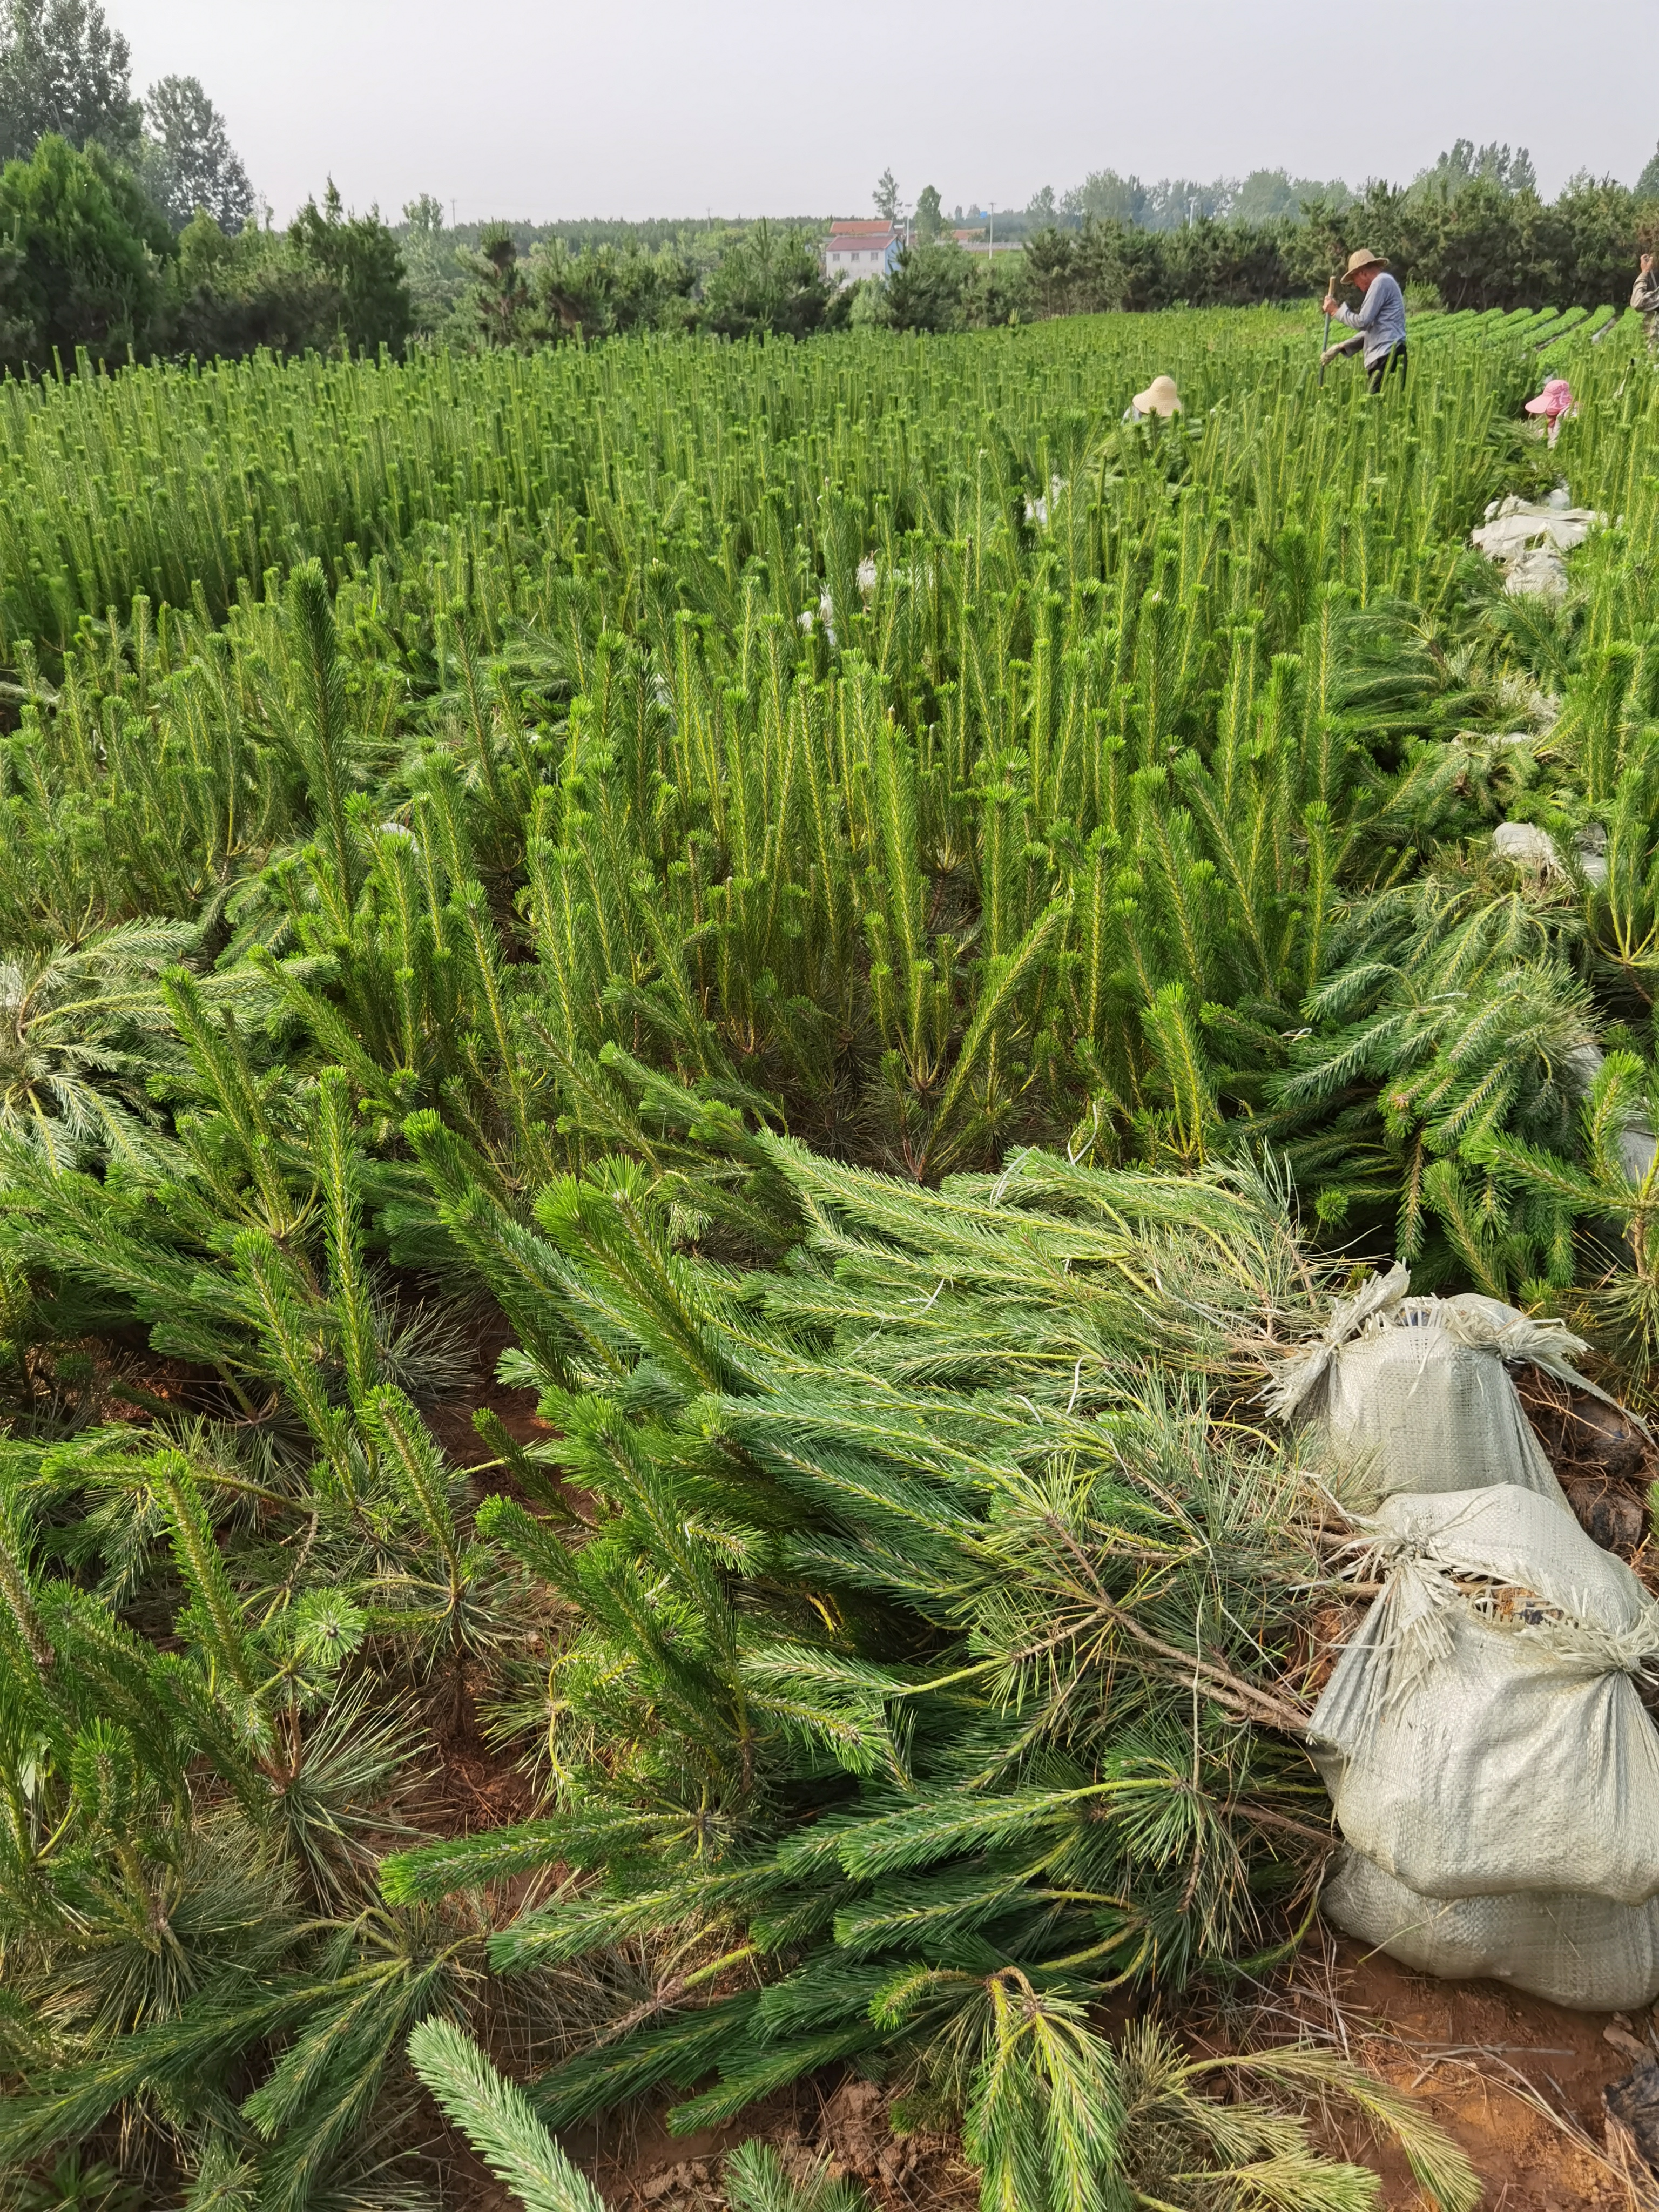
{"x": 1160, "y": 397}
{"x": 1380, "y": 317}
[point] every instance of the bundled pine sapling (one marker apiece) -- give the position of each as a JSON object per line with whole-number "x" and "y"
{"x": 932, "y": 1666}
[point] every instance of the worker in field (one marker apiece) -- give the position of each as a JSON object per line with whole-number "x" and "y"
{"x": 1645, "y": 298}
{"x": 1554, "y": 403}
{"x": 1380, "y": 317}
{"x": 1160, "y": 397}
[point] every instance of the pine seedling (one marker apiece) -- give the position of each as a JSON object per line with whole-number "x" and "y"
{"x": 317, "y": 677}
{"x": 1045, "y": 2110}
{"x": 213, "y": 1617}
{"x": 755, "y": 2181}
{"x": 607, "y": 1221}
{"x": 532, "y": 1479}
{"x": 297, "y": 1328}
{"x": 441, "y": 1581}
{"x": 221, "y": 1063}
{"x": 1180, "y": 1058}
{"x": 348, "y": 1287}
{"x": 24, "y": 1643}
{"x": 530, "y": 1278}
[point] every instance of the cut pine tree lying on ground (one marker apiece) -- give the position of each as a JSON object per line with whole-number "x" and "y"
{"x": 887, "y": 994}
{"x": 981, "y": 1549}
{"x": 871, "y": 1722}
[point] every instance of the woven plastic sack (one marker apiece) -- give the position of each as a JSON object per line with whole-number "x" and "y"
{"x": 1413, "y": 1394}
{"x": 1514, "y": 527}
{"x": 1483, "y": 1733}
{"x": 1586, "y": 1952}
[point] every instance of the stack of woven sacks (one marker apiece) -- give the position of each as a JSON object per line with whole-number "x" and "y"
{"x": 1494, "y": 1770}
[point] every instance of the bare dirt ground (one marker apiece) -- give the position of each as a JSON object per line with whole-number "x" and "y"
{"x": 1516, "y": 2081}
{"x": 844, "y": 2120}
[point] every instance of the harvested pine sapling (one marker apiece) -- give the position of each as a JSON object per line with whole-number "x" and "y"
{"x": 935, "y": 1627}
{"x": 501, "y": 2125}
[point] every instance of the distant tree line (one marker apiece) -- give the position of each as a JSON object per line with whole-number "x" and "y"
{"x": 1471, "y": 230}
{"x": 129, "y": 228}
{"x": 766, "y": 277}
{"x": 522, "y": 284}
{"x": 1264, "y": 196}
{"x": 1472, "y": 241}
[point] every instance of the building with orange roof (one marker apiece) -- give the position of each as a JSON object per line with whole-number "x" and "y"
{"x": 855, "y": 249}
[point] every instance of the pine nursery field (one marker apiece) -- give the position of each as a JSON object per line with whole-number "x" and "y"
{"x": 868, "y": 941}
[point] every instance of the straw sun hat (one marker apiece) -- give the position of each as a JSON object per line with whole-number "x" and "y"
{"x": 1160, "y": 397}
{"x": 1363, "y": 258}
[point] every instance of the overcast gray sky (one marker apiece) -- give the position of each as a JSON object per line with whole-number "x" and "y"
{"x": 642, "y": 107}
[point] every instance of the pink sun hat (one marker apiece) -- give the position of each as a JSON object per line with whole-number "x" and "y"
{"x": 1556, "y": 398}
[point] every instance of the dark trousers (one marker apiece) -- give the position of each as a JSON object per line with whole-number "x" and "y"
{"x": 1395, "y": 358}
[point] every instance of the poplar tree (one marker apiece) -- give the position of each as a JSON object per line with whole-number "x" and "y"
{"x": 64, "y": 69}
{"x": 188, "y": 161}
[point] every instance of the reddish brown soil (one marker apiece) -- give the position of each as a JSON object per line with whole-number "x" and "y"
{"x": 843, "y": 2120}
{"x": 1516, "y": 2081}
{"x": 472, "y": 1787}
{"x": 452, "y": 1422}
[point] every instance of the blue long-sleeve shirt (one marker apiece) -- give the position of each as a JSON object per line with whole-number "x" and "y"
{"x": 1380, "y": 315}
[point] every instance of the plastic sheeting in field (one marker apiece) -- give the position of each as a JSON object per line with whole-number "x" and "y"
{"x": 1528, "y": 537}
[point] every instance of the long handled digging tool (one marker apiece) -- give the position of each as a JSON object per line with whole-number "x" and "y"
{"x": 1325, "y": 343}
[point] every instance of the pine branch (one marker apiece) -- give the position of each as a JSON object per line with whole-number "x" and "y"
{"x": 499, "y": 2121}
{"x": 214, "y": 1615}
{"x": 679, "y": 2052}
{"x": 1440, "y": 2167}
{"x": 589, "y": 1835}
{"x": 756, "y": 2182}
{"x": 347, "y": 1283}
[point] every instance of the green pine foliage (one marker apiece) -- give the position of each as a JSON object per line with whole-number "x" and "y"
{"x": 865, "y": 931}
{"x": 964, "y": 1636}
{"x": 501, "y": 2123}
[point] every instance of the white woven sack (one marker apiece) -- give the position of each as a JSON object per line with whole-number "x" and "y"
{"x": 1412, "y": 1394}
{"x": 1472, "y": 1756}
{"x": 1586, "y": 1952}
